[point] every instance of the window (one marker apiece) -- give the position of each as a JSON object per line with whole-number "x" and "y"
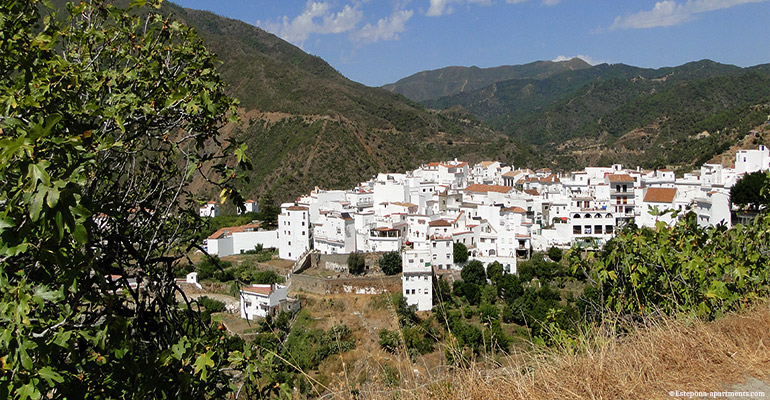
{"x": 576, "y": 230}
{"x": 608, "y": 229}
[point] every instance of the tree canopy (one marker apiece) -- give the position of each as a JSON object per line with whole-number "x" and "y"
{"x": 106, "y": 116}
{"x": 460, "y": 253}
{"x": 390, "y": 263}
{"x": 752, "y": 190}
{"x": 474, "y": 273}
{"x": 356, "y": 263}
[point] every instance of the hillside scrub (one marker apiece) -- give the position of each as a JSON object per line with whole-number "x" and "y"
{"x": 656, "y": 356}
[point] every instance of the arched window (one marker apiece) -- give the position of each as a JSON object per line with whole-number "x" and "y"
{"x": 588, "y": 215}
{"x": 577, "y": 215}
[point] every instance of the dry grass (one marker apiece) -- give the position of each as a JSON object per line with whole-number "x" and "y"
{"x": 662, "y": 355}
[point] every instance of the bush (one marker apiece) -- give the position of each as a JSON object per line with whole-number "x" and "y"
{"x": 356, "y": 263}
{"x": 389, "y": 340}
{"x": 211, "y": 305}
{"x": 494, "y": 271}
{"x": 390, "y": 263}
{"x": 474, "y": 273}
{"x": 555, "y": 254}
{"x": 460, "y": 253}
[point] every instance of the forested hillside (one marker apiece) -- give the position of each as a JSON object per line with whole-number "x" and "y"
{"x": 427, "y": 85}
{"x": 306, "y": 125}
{"x": 676, "y": 117}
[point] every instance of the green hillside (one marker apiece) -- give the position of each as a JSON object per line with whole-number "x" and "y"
{"x": 427, "y": 85}
{"x": 306, "y": 125}
{"x": 677, "y": 117}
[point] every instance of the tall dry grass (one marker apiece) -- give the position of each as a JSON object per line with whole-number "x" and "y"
{"x": 656, "y": 357}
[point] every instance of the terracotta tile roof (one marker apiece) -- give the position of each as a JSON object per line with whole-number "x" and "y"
{"x": 660, "y": 195}
{"x": 512, "y": 174}
{"x": 258, "y": 290}
{"x": 515, "y": 209}
{"x": 233, "y": 229}
{"x": 532, "y": 192}
{"x": 479, "y": 188}
{"x": 550, "y": 179}
{"x": 620, "y": 178}
{"x": 249, "y": 201}
{"x": 297, "y": 208}
{"x": 486, "y": 164}
{"x": 439, "y": 222}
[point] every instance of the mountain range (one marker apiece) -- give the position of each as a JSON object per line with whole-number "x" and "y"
{"x": 306, "y": 125}
{"x": 675, "y": 117}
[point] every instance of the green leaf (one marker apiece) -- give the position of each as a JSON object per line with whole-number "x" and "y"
{"x": 53, "y": 197}
{"x": 204, "y": 360}
{"x": 28, "y": 391}
{"x": 80, "y": 234}
{"x": 62, "y": 339}
{"x": 50, "y": 375}
{"x": 37, "y": 172}
{"x": 36, "y": 205}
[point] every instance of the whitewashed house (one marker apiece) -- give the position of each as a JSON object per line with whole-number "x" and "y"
{"x": 417, "y": 278}
{"x": 257, "y": 301}
{"x": 210, "y": 209}
{"x": 335, "y": 233}
{"x": 239, "y": 239}
{"x": 293, "y": 231}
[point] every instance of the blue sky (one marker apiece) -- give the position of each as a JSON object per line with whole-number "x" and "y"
{"x": 380, "y": 41}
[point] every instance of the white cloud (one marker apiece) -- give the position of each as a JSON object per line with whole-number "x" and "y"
{"x": 671, "y": 13}
{"x": 580, "y": 56}
{"x": 385, "y": 28}
{"x": 443, "y": 7}
{"x": 316, "y": 18}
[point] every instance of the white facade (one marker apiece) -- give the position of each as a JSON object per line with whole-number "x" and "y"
{"x": 748, "y": 161}
{"x": 211, "y": 209}
{"x": 256, "y": 301}
{"x": 335, "y": 234}
{"x": 249, "y": 206}
{"x": 442, "y": 252}
{"x": 239, "y": 239}
{"x": 417, "y": 279}
{"x": 293, "y": 231}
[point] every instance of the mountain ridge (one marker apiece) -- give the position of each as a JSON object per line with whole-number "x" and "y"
{"x": 431, "y": 84}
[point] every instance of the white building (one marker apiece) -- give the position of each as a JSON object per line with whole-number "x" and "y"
{"x": 442, "y": 252}
{"x": 293, "y": 231}
{"x": 417, "y": 278}
{"x": 239, "y": 239}
{"x": 335, "y": 233}
{"x": 211, "y": 209}
{"x": 662, "y": 199}
{"x": 249, "y": 206}
{"x": 257, "y": 301}
{"x": 748, "y": 161}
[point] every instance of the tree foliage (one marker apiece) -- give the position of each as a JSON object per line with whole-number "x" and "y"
{"x": 474, "y": 273}
{"x": 390, "y": 263}
{"x": 681, "y": 269}
{"x": 356, "y": 263}
{"x": 460, "y": 253}
{"x": 106, "y": 115}
{"x": 751, "y": 190}
{"x": 494, "y": 271}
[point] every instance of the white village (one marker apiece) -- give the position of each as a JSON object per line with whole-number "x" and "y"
{"x": 500, "y": 213}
